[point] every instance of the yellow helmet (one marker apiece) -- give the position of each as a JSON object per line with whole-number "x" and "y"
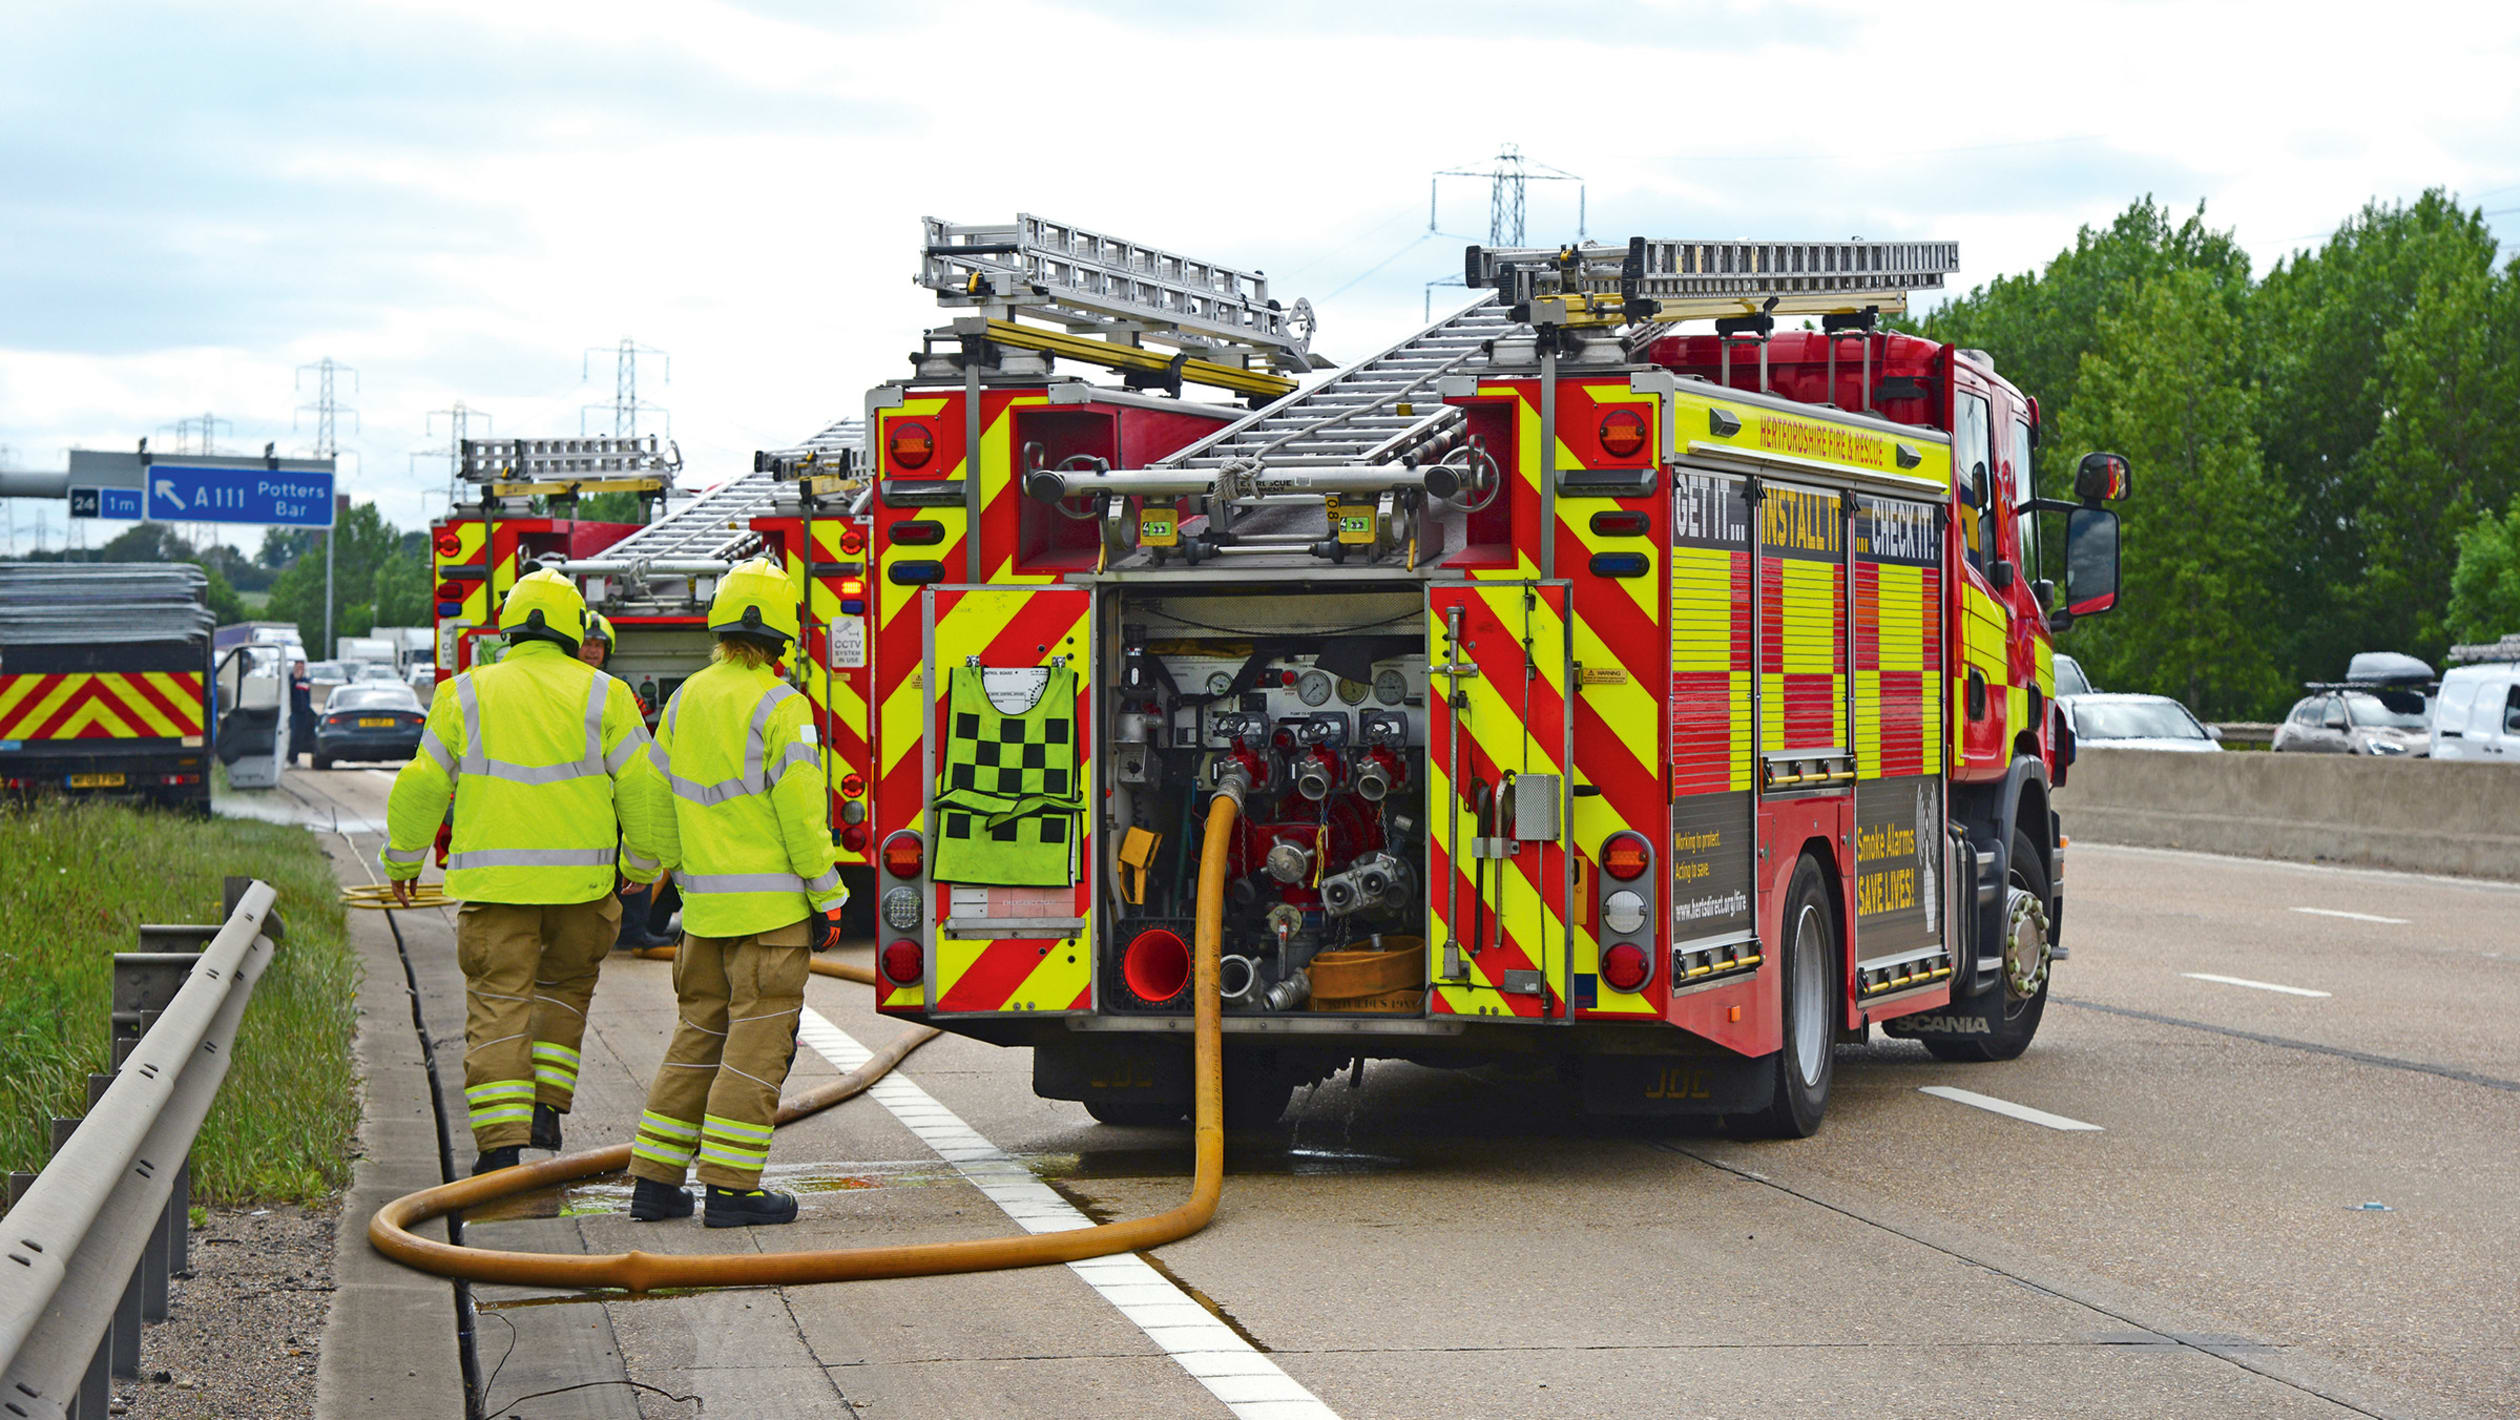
{"x": 598, "y": 629}
{"x": 544, "y": 605}
{"x": 755, "y": 599}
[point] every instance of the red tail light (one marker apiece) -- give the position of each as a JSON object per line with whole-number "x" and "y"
{"x": 904, "y": 964}
{"x": 1156, "y": 966}
{"x": 448, "y": 544}
{"x": 1624, "y": 856}
{"x": 904, "y": 854}
{"x": 1624, "y": 967}
{"x": 910, "y": 444}
{"x": 853, "y": 838}
{"x": 1622, "y": 433}
{"x": 852, "y": 785}
{"x": 851, "y": 542}
{"x": 450, "y": 591}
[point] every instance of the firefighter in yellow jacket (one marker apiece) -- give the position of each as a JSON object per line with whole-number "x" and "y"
{"x": 545, "y": 759}
{"x": 752, "y": 856}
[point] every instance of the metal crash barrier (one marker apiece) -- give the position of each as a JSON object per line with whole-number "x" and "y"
{"x": 88, "y": 1247}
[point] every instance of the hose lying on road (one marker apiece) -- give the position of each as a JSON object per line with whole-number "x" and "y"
{"x": 389, "y": 1231}
{"x": 379, "y": 897}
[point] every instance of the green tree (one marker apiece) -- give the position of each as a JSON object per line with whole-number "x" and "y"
{"x": 2039, "y": 325}
{"x": 2344, "y": 337}
{"x": 363, "y": 542}
{"x": 2166, "y": 385}
{"x": 2485, "y": 587}
{"x": 615, "y": 507}
{"x": 282, "y": 546}
{"x": 400, "y": 591}
{"x": 226, "y": 608}
{"x": 147, "y": 542}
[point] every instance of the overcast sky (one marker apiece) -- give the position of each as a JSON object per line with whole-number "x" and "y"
{"x": 460, "y": 199}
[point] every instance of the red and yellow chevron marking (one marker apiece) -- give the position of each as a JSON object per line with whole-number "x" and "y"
{"x": 1016, "y": 627}
{"x": 839, "y": 695}
{"x": 1516, "y": 722}
{"x": 481, "y": 599}
{"x": 101, "y": 705}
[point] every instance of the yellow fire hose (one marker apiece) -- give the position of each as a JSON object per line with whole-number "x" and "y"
{"x": 389, "y": 1231}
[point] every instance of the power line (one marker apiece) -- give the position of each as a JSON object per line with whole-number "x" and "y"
{"x": 459, "y": 419}
{"x": 626, "y": 404}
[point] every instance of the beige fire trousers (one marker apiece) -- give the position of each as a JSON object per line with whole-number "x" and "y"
{"x": 714, "y": 1096}
{"x": 529, "y": 973}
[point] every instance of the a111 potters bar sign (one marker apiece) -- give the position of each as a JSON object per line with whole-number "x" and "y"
{"x": 183, "y": 493}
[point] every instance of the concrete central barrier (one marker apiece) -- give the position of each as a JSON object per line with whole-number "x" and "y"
{"x": 2414, "y": 815}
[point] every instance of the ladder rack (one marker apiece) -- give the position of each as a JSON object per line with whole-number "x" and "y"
{"x": 1085, "y": 280}
{"x": 1374, "y": 411}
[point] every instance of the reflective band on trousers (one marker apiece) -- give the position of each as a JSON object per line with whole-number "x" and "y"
{"x": 532, "y": 858}
{"x": 702, "y": 884}
{"x": 587, "y": 766}
{"x": 752, "y": 780}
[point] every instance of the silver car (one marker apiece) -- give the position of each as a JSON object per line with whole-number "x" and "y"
{"x": 2335, "y": 720}
{"x": 2137, "y": 722}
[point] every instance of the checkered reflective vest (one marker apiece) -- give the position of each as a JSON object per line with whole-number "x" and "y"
{"x": 1007, "y": 799}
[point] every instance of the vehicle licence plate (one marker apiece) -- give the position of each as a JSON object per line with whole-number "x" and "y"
{"x": 96, "y": 781}
{"x": 376, "y": 724}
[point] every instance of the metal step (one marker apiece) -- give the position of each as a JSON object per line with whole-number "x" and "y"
{"x": 1354, "y": 416}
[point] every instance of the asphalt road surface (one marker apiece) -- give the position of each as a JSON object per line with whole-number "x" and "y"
{"x": 2264, "y": 1160}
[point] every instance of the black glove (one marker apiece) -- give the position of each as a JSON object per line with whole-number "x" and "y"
{"x": 823, "y": 929}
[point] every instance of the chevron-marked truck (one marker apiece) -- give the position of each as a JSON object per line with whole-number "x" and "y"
{"x": 1675, "y": 704}
{"x": 652, "y": 579}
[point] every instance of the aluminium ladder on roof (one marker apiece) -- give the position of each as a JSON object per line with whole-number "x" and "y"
{"x": 715, "y": 527}
{"x": 1092, "y": 281}
{"x": 1376, "y": 410}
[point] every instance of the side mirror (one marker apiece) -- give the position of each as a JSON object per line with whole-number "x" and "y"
{"x": 2102, "y": 478}
{"x": 2043, "y": 592}
{"x": 2214, "y": 733}
{"x": 2001, "y": 575}
{"x": 2091, "y": 560}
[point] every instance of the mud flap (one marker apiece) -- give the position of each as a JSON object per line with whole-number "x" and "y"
{"x": 1677, "y": 1084}
{"x": 1119, "y": 1069}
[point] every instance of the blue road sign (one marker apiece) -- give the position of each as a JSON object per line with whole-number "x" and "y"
{"x": 121, "y": 503}
{"x": 181, "y": 494}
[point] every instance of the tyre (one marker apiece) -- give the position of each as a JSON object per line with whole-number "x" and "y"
{"x": 2011, "y": 1007}
{"x": 1134, "y": 1114}
{"x": 323, "y": 761}
{"x": 1256, "y": 1097}
{"x": 1812, "y": 963}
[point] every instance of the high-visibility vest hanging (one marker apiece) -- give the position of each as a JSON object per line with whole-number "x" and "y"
{"x": 545, "y": 759}
{"x": 752, "y": 808}
{"x": 1007, "y": 796}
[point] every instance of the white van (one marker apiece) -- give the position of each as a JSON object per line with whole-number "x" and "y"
{"x": 2477, "y": 713}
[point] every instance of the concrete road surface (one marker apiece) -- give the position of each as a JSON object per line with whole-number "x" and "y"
{"x": 2264, "y": 1160}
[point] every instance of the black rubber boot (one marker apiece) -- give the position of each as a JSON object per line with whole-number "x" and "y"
{"x": 546, "y": 1128}
{"x": 493, "y": 1160}
{"x": 651, "y": 1201}
{"x": 748, "y": 1207}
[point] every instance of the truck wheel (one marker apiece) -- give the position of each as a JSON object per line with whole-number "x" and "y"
{"x": 1134, "y": 1114}
{"x": 2012, "y": 1007}
{"x": 1811, "y": 964}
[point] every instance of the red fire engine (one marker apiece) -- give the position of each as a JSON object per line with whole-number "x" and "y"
{"x": 1674, "y": 704}
{"x": 803, "y": 507}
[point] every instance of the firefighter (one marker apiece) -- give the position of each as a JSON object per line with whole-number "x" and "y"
{"x": 752, "y": 857}
{"x": 597, "y": 648}
{"x": 545, "y": 759}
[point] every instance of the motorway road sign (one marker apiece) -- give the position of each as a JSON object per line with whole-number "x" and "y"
{"x": 178, "y": 493}
{"x": 122, "y": 503}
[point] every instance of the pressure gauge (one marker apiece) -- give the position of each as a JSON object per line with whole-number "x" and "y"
{"x": 1353, "y": 692}
{"x": 1390, "y": 687}
{"x": 1219, "y": 682}
{"x": 1313, "y": 687}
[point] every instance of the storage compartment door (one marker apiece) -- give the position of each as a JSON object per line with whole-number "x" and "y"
{"x": 1499, "y": 664}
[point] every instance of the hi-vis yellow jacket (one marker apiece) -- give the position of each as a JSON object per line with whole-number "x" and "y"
{"x": 751, "y": 839}
{"x": 546, "y": 760}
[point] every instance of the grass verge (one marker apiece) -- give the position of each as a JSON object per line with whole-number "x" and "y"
{"x": 78, "y": 880}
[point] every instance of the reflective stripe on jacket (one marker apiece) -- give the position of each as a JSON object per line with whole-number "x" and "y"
{"x": 752, "y": 813}
{"x": 545, "y": 759}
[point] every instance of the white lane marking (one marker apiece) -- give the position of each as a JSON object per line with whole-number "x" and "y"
{"x": 2005, "y": 1107}
{"x": 1249, "y": 1383}
{"x": 2351, "y": 916}
{"x": 2252, "y": 985}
